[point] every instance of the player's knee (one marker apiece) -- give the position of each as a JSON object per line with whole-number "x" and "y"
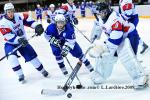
{"x": 13, "y": 60}
{"x": 35, "y": 62}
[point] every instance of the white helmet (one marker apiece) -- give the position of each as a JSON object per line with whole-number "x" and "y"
{"x": 59, "y": 11}
{"x": 51, "y": 5}
{"x": 8, "y": 6}
{"x": 60, "y": 17}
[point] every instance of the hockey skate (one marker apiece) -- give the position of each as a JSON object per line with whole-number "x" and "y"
{"x": 141, "y": 83}
{"x": 64, "y": 71}
{"x": 45, "y": 73}
{"x": 145, "y": 47}
{"x": 21, "y": 79}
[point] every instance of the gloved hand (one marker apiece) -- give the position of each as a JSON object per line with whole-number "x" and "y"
{"x": 65, "y": 50}
{"x": 20, "y": 32}
{"x": 75, "y": 21}
{"x": 96, "y": 31}
{"x": 39, "y": 30}
{"x": 23, "y": 41}
{"x": 54, "y": 41}
{"x": 48, "y": 20}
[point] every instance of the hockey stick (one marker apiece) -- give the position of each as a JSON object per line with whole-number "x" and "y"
{"x": 69, "y": 81}
{"x": 81, "y": 33}
{"x": 77, "y": 86}
{"x": 15, "y": 49}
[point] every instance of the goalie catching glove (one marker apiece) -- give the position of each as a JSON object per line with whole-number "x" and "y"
{"x": 98, "y": 48}
{"x": 65, "y": 50}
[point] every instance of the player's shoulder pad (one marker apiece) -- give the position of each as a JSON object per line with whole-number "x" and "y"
{"x": 70, "y": 28}
{"x": 4, "y": 27}
{"x": 51, "y": 29}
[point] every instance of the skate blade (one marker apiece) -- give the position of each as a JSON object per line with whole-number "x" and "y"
{"x": 146, "y": 51}
{"x": 23, "y": 81}
{"x": 141, "y": 87}
{"x": 50, "y": 92}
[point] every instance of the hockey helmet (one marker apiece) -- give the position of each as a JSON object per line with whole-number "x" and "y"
{"x": 60, "y": 17}
{"x": 103, "y": 10}
{"x": 64, "y": 7}
{"x": 51, "y": 5}
{"x": 8, "y": 6}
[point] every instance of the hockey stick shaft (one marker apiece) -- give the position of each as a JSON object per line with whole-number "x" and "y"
{"x": 72, "y": 69}
{"x": 14, "y": 50}
{"x": 82, "y": 33}
{"x": 74, "y": 73}
{"x": 70, "y": 65}
{"x": 69, "y": 81}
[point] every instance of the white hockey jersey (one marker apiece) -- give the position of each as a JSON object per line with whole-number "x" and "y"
{"x": 116, "y": 29}
{"x": 12, "y": 30}
{"x": 71, "y": 11}
{"x": 51, "y": 15}
{"x": 127, "y": 8}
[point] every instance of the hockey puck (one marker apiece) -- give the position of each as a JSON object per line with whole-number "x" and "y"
{"x": 69, "y": 95}
{"x": 79, "y": 86}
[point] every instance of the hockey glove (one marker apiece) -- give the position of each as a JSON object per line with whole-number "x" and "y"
{"x": 54, "y": 41}
{"x": 23, "y": 41}
{"x": 39, "y": 30}
{"x": 48, "y": 20}
{"x": 65, "y": 50}
{"x": 75, "y": 21}
{"x": 20, "y": 32}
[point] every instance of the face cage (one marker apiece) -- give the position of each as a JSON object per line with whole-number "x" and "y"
{"x": 12, "y": 10}
{"x": 102, "y": 12}
{"x": 60, "y": 22}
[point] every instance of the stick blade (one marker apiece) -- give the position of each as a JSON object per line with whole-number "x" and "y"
{"x": 50, "y": 92}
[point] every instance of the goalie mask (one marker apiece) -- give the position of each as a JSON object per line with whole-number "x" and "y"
{"x": 103, "y": 11}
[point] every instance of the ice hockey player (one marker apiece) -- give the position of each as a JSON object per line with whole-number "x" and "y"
{"x": 50, "y": 15}
{"x": 71, "y": 11}
{"x": 117, "y": 45}
{"x": 128, "y": 12}
{"x": 82, "y": 9}
{"x": 12, "y": 28}
{"x": 62, "y": 41}
{"x": 38, "y": 12}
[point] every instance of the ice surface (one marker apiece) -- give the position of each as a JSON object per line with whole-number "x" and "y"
{"x": 11, "y": 89}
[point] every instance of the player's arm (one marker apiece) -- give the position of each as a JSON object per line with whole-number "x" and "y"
{"x": 49, "y": 35}
{"x": 11, "y": 37}
{"x": 134, "y": 19}
{"x": 75, "y": 20}
{"x": 115, "y": 38}
{"x": 69, "y": 42}
{"x": 28, "y": 21}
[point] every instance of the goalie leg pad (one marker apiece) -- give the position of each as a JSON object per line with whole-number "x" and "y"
{"x": 105, "y": 65}
{"x": 103, "y": 69}
{"x": 130, "y": 62}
